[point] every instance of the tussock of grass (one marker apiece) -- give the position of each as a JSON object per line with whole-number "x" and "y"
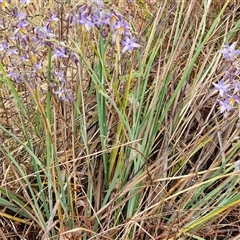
{"x": 143, "y": 152}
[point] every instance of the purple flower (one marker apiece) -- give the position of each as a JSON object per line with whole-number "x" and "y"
{"x": 52, "y": 19}
{"x": 26, "y": 1}
{"x": 21, "y": 26}
{"x": 60, "y": 76}
{"x": 112, "y": 19}
{"x": 225, "y": 106}
{"x": 16, "y": 77}
{"x": 59, "y": 52}
{"x": 236, "y": 87}
{"x": 24, "y": 58}
{"x": 237, "y": 166}
{"x": 229, "y": 52}
{"x": 19, "y": 15}
{"x": 4, "y": 45}
{"x": 43, "y": 32}
{"x": 11, "y": 74}
{"x": 38, "y": 66}
{"x": 222, "y": 87}
{"x": 64, "y": 95}
{"x": 129, "y": 44}
{"x": 232, "y": 99}
{"x": 74, "y": 57}
{"x": 85, "y": 21}
{"x": 99, "y": 18}
{"x": 12, "y": 51}
{"x": 122, "y": 27}
{"x": 230, "y": 74}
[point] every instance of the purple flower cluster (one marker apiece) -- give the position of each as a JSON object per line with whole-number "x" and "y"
{"x": 25, "y": 47}
{"x": 24, "y": 50}
{"x": 106, "y": 21}
{"x": 229, "y": 86}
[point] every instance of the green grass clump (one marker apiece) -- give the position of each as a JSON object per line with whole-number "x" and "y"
{"x": 110, "y": 126}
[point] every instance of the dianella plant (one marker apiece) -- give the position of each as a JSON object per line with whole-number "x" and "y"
{"x": 119, "y": 119}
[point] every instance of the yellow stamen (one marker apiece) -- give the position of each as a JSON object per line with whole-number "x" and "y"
{"x": 3, "y": 4}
